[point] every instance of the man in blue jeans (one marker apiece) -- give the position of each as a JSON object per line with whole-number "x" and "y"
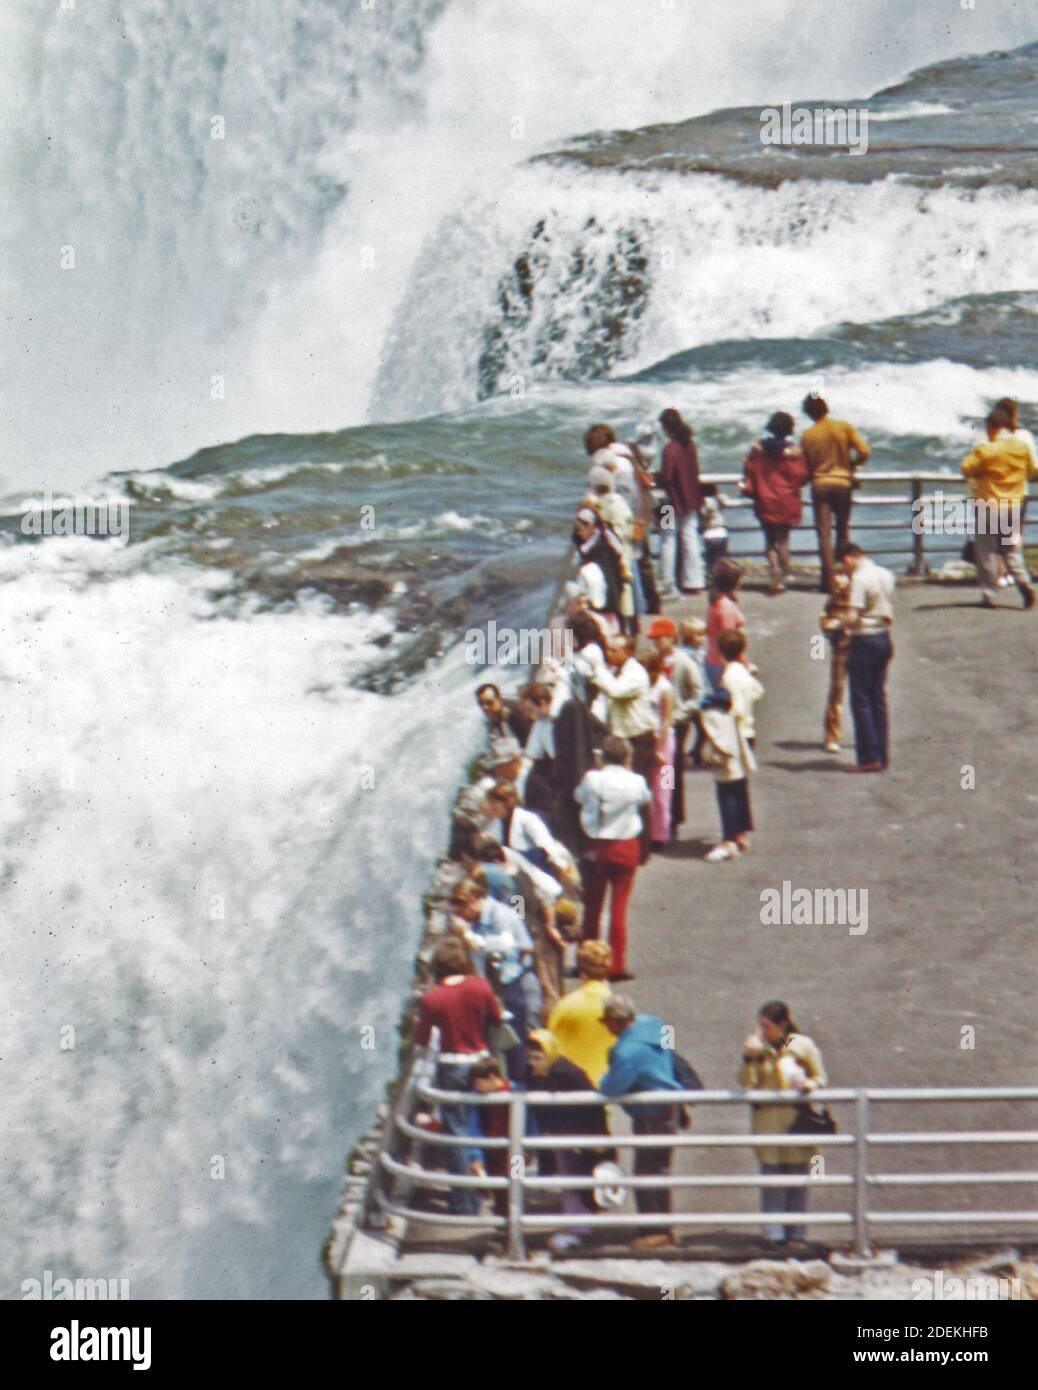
{"x": 869, "y": 620}
{"x": 460, "y": 1006}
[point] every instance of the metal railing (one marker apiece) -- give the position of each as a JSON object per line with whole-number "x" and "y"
{"x": 404, "y": 1169}
{"x": 890, "y": 511}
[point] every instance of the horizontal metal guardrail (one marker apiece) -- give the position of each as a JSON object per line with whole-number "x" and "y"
{"x": 922, "y": 488}
{"x": 399, "y": 1175}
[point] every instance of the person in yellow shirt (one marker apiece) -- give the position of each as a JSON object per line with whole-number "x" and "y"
{"x": 999, "y": 470}
{"x": 576, "y": 1019}
{"x": 833, "y": 451}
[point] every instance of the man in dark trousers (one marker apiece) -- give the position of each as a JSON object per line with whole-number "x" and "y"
{"x": 869, "y": 619}
{"x": 833, "y": 450}
{"x": 640, "y": 1061}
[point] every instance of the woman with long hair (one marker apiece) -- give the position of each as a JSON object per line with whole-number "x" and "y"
{"x": 773, "y": 474}
{"x": 681, "y": 559}
{"x": 661, "y": 693}
{"x": 778, "y": 1057}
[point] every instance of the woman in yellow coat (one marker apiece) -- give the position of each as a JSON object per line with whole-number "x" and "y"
{"x": 779, "y": 1058}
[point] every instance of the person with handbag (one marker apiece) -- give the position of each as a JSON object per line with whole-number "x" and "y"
{"x": 777, "y": 1057}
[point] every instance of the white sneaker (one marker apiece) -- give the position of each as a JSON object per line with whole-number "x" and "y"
{"x": 563, "y": 1243}
{"x": 720, "y": 853}
{"x": 832, "y": 747}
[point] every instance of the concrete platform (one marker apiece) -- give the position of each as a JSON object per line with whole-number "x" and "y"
{"x": 951, "y": 943}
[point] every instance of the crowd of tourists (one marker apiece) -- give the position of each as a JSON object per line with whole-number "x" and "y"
{"x": 590, "y": 768}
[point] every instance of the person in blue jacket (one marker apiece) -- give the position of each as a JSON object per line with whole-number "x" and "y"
{"x": 640, "y": 1061}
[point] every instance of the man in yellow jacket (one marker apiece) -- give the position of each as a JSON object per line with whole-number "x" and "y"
{"x": 833, "y": 451}
{"x": 999, "y": 470}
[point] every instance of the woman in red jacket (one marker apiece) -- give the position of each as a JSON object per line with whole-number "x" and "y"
{"x": 773, "y": 474}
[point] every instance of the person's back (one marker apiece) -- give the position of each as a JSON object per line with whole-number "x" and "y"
{"x": 460, "y": 1008}
{"x": 679, "y": 476}
{"x": 1001, "y": 467}
{"x": 774, "y": 472}
{"x": 565, "y": 1075}
{"x": 583, "y": 1038}
{"x": 640, "y": 1062}
{"x": 722, "y": 615}
{"x": 609, "y": 798}
{"x": 828, "y": 447}
{"x": 872, "y": 591}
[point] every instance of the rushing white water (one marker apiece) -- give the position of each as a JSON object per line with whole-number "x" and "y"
{"x": 209, "y": 888}
{"x": 274, "y": 257}
{"x": 677, "y": 262}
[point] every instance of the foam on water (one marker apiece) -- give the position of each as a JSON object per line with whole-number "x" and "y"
{"x": 202, "y": 884}
{"x": 565, "y": 273}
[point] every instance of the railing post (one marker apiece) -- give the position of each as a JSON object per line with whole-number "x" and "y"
{"x": 861, "y": 1175}
{"x": 918, "y": 538}
{"x": 516, "y": 1175}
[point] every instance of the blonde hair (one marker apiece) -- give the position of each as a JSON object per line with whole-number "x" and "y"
{"x": 595, "y": 959}
{"x": 503, "y": 791}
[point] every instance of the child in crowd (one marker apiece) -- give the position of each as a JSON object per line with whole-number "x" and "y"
{"x": 690, "y": 688}
{"x": 741, "y": 682}
{"x": 723, "y": 613}
{"x": 661, "y": 694}
{"x": 712, "y": 527}
{"x": 837, "y": 608}
{"x": 486, "y": 1078}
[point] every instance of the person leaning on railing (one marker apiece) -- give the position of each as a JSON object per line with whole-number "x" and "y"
{"x": 1000, "y": 470}
{"x": 639, "y": 1061}
{"x": 576, "y": 1019}
{"x": 461, "y": 1005}
{"x": 550, "y": 1071}
{"x": 774, "y": 471}
{"x": 833, "y": 451}
{"x": 503, "y": 949}
{"x": 776, "y": 1057}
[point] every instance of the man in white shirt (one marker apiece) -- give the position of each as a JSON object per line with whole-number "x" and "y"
{"x": 869, "y": 621}
{"x": 612, "y": 801}
{"x": 523, "y": 830}
{"x": 626, "y": 686}
{"x": 629, "y": 713}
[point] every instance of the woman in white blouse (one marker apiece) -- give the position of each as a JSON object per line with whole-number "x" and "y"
{"x": 612, "y": 801}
